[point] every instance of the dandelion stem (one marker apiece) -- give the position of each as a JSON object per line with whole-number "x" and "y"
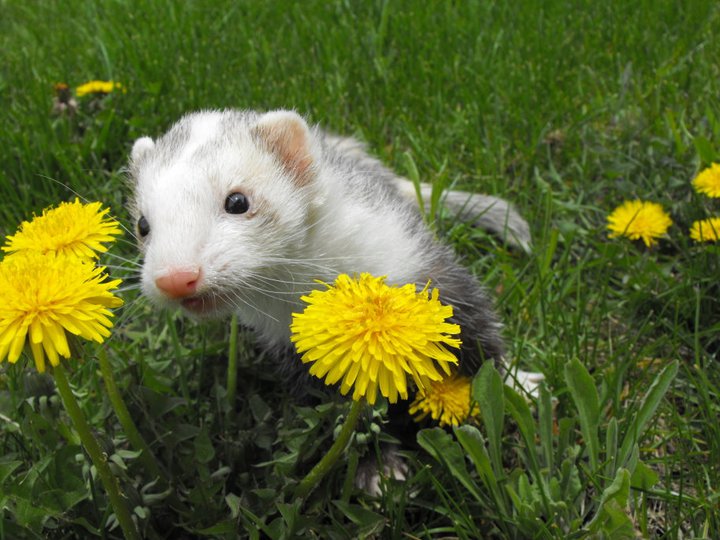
{"x": 126, "y": 421}
{"x": 232, "y": 363}
{"x": 99, "y": 459}
{"x": 313, "y": 478}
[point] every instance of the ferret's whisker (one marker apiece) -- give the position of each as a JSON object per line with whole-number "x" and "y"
{"x": 244, "y": 301}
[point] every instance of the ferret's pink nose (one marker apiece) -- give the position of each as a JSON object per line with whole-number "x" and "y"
{"x": 179, "y": 284}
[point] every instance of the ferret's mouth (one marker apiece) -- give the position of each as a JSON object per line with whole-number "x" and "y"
{"x": 200, "y": 304}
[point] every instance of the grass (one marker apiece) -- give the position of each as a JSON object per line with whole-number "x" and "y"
{"x": 567, "y": 109}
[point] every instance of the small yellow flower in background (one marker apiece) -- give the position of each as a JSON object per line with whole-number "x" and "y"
{"x": 639, "y": 220}
{"x": 43, "y": 296}
{"x": 372, "y": 335}
{"x": 62, "y": 91}
{"x": 70, "y": 228}
{"x": 447, "y": 401}
{"x": 98, "y": 87}
{"x": 708, "y": 181}
{"x": 706, "y": 230}
{"x": 63, "y": 100}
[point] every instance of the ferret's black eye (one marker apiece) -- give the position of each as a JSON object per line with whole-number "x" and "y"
{"x": 143, "y": 226}
{"x": 236, "y": 203}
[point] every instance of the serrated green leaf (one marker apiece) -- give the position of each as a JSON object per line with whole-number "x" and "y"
{"x": 265, "y": 494}
{"x": 260, "y": 410}
{"x": 158, "y": 403}
{"x": 29, "y": 513}
{"x": 61, "y": 500}
{"x": 204, "y": 450}
{"x": 611, "y": 516}
{"x": 367, "y": 519}
{"x": 524, "y": 490}
{"x": 619, "y": 490}
{"x": 566, "y": 428}
{"x": 444, "y": 449}
{"x": 290, "y": 513}
{"x": 643, "y": 477}
{"x": 275, "y": 529}
{"x": 233, "y": 502}
{"x": 569, "y": 479}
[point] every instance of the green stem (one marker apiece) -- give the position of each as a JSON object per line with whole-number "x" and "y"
{"x": 175, "y": 341}
{"x": 232, "y": 363}
{"x": 313, "y": 478}
{"x": 99, "y": 459}
{"x": 126, "y": 421}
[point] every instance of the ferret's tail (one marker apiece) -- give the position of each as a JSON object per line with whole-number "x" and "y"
{"x": 491, "y": 213}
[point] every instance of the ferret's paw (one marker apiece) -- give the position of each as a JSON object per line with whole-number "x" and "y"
{"x": 526, "y": 382}
{"x": 370, "y": 473}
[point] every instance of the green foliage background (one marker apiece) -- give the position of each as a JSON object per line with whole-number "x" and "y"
{"x": 565, "y": 108}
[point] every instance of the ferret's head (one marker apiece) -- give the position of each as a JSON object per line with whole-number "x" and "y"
{"x": 221, "y": 200}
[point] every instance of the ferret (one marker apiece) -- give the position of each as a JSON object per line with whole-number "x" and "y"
{"x": 245, "y": 212}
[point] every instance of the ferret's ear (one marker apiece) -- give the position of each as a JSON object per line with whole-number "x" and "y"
{"x": 142, "y": 146}
{"x": 286, "y": 135}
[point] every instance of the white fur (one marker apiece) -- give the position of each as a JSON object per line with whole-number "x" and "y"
{"x": 297, "y": 232}
{"x": 190, "y": 230}
{"x": 141, "y": 146}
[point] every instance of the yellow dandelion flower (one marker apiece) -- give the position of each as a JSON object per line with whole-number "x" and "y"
{"x": 708, "y": 181}
{"x": 639, "y": 220}
{"x": 71, "y": 228}
{"x": 372, "y": 335}
{"x": 706, "y": 230}
{"x": 43, "y": 296}
{"x": 447, "y": 401}
{"x": 98, "y": 87}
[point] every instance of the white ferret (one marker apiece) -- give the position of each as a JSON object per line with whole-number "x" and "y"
{"x": 243, "y": 212}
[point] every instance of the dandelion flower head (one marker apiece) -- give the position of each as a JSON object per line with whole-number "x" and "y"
{"x": 708, "y": 181}
{"x": 98, "y": 87}
{"x": 44, "y": 296}
{"x": 371, "y": 336}
{"x": 72, "y": 228}
{"x": 706, "y": 230}
{"x": 62, "y": 90}
{"x": 448, "y": 401}
{"x": 639, "y": 220}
